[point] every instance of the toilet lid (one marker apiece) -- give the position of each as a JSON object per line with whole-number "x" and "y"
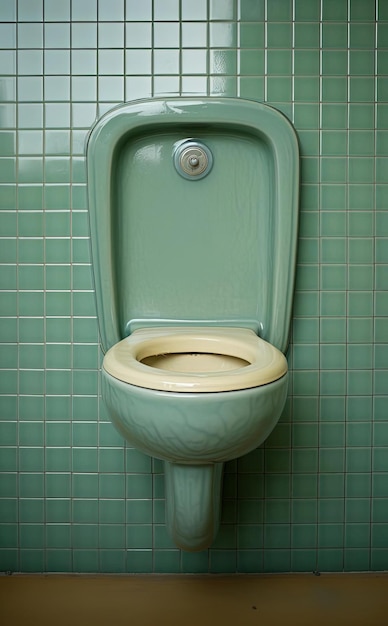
{"x": 195, "y": 360}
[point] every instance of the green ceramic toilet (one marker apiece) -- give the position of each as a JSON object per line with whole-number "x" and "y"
{"x": 193, "y": 206}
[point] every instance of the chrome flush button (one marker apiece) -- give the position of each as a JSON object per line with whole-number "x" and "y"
{"x": 193, "y": 160}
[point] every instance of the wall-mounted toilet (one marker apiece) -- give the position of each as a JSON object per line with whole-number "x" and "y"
{"x": 193, "y": 207}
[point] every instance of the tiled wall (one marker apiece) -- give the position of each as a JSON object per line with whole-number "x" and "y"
{"x": 73, "y": 496}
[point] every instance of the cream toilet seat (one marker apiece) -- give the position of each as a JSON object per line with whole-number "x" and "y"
{"x": 195, "y": 359}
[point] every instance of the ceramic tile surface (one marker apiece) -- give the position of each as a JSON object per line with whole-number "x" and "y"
{"x": 73, "y": 496}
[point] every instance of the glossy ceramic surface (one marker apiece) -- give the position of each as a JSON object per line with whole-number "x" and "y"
{"x": 194, "y": 428}
{"x": 170, "y": 251}
{"x": 199, "y": 360}
{"x": 220, "y": 250}
{"x": 194, "y": 433}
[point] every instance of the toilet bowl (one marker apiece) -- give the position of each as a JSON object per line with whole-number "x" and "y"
{"x": 195, "y": 360}
{"x": 193, "y": 214}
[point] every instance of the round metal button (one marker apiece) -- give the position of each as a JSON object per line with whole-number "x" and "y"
{"x": 193, "y": 160}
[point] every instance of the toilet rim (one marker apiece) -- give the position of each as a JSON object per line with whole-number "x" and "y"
{"x": 265, "y": 363}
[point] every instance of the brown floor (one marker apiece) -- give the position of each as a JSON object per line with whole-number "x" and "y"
{"x": 268, "y": 600}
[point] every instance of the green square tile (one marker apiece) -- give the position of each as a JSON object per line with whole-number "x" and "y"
{"x": 279, "y": 87}
{"x": 334, "y": 116}
{"x": 334, "y": 143}
{"x": 85, "y": 383}
{"x": 358, "y": 485}
{"x": 304, "y": 486}
{"x": 333, "y": 250}
{"x": 358, "y": 408}
{"x": 31, "y": 434}
{"x": 333, "y": 277}
{"x": 58, "y": 510}
{"x": 84, "y": 434}
{"x": 331, "y": 459}
{"x": 58, "y": 459}
{"x": 304, "y": 435}
{"x": 381, "y": 278}
{"x": 250, "y": 537}
{"x": 304, "y": 409}
{"x": 332, "y": 408}
{"x": 359, "y": 356}
{"x": 333, "y": 170}
{"x": 307, "y": 36}
{"x": 31, "y": 250}
{"x": 358, "y": 459}
{"x": 305, "y": 383}
{"x": 112, "y": 486}
{"x": 31, "y": 485}
{"x": 277, "y": 486}
{"x": 361, "y": 89}
{"x": 335, "y": 10}
{"x": 330, "y": 486}
{"x": 112, "y": 561}
{"x": 84, "y": 460}
{"x": 334, "y": 35}
{"x": 305, "y": 460}
{"x": 85, "y": 512}
{"x": 331, "y": 509}
{"x": 85, "y": 536}
{"x": 358, "y": 434}
{"x": 85, "y": 408}
{"x": 330, "y": 535}
{"x": 332, "y": 304}
{"x": 86, "y": 560}
{"x": 379, "y": 485}
{"x": 357, "y": 510}
{"x": 380, "y": 463}
{"x": 360, "y": 303}
{"x": 335, "y": 62}
{"x": 251, "y": 34}
{"x": 303, "y": 560}
{"x": 333, "y": 197}
{"x": 362, "y": 35}
{"x": 279, "y": 11}
{"x": 307, "y": 277}
{"x": 275, "y": 460}
{"x": 58, "y": 250}
{"x": 139, "y": 561}
{"x": 139, "y": 486}
{"x": 379, "y": 510}
{"x": 31, "y": 510}
{"x": 58, "y": 536}
{"x": 359, "y": 382}
{"x": 31, "y": 536}
{"x": 139, "y": 512}
{"x": 360, "y": 277}
{"x": 85, "y": 485}
{"x": 305, "y": 357}
{"x": 305, "y": 303}
{"x": 168, "y": 561}
{"x": 58, "y": 434}
{"x": 139, "y": 536}
{"x": 332, "y": 356}
{"x": 276, "y": 560}
{"x": 380, "y": 433}
{"x": 31, "y": 303}
{"x": 31, "y": 560}
{"x": 58, "y": 382}
{"x": 59, "y": 560}
{"x": 137, "y": 461}
{"x": 331, "y": 435}
{"x": 276, "y": 536}
{"x": 357, "y": 560}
